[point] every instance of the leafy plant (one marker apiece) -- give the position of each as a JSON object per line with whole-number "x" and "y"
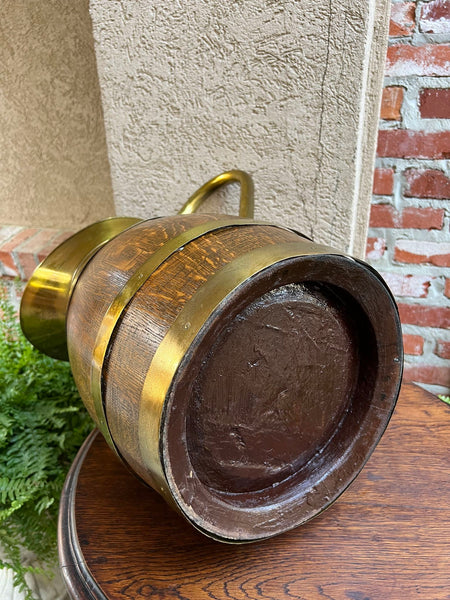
{"x": 42, "y": 425}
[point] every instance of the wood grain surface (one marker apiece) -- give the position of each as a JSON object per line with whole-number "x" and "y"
{"x": 386, "y": 538}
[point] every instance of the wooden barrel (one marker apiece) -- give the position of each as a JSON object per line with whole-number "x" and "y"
{"x": 241, "y": 370}
{"x": 238, "y": 368}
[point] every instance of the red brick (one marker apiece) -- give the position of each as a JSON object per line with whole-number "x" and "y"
{"x": 443, "y": 349}
{"x": 425, "y": 316}
{"x": 427, "y": 374}
{"x": 21, "y": 253}
{"x": 383, "y": 182}
{"x": 435, "y": 17}
{"x": 411, "y": 251}
{"x": 430, "y": 183}
{"x": 59, "y": 239}
{"x": 391, "y": 103}
{"x": 375, "y": 248}
{"x": 413, "y": 344}
{"x": 412, "y": 286}
{"x": 25, "y": 253}
{"x": 6, "y": 249}
{"x": 35, "y": 244}
{"x": 404, "y": 143}
{"x": 447, "y": 288}
{"x": 9, "y": 264}
{"x": 383, "y": 215}
{"x": 17, "y": 240}
{"x": 403, "y": 60}
{"x": 402, "y": 19}
{"x": 422, "y": 218}
{"x": 7, "y": 232}
{"x": 434, "y": 103}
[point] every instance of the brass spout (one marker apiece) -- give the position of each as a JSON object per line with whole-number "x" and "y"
{"x": 46, "y": 298}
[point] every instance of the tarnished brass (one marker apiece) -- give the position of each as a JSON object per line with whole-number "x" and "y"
{"x": 47, "y": 295}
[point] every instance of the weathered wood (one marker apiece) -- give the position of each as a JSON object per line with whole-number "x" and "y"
{"x": 386, "y": 538}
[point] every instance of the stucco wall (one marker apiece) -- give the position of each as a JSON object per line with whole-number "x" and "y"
{"x": 53, "y": 161}
{"x": 287, "y": 91}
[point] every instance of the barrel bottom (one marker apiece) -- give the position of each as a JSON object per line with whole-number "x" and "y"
{"x": 282, "y": 397}
{"x": 272, "y": 389}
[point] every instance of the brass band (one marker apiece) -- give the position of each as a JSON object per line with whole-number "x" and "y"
{"x": 183, "y": 332}
{"x": 118, "y": 305}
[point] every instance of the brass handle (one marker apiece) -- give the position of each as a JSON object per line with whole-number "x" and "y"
{"x": 246, "y": 204}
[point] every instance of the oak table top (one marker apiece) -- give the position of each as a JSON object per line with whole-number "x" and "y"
{"x": 386, "y": 538}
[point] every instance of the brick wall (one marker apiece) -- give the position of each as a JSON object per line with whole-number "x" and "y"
{"x": 409, "y": 240}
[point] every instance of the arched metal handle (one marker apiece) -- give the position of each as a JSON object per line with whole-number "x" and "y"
{"x": 246, "y": 206}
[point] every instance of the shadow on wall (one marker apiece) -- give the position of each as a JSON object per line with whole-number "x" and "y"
{"x": 54, "y": 169}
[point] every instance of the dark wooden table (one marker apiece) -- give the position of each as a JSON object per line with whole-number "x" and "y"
{"x": 386, "y": 538}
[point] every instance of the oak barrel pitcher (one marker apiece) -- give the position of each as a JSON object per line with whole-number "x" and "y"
{"x": 243, "y": 371}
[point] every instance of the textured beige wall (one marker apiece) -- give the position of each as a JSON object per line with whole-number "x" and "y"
{"x": 54, "y": 169}
{"x": 288, "y": 91}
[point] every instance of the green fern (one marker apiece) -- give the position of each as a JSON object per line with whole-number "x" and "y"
{"x": 42, "y": 425}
